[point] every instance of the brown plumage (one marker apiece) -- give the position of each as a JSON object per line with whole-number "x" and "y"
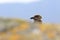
{"x": 37, "y": 18}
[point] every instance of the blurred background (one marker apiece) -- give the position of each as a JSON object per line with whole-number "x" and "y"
{"x": 16, "y": 10}
{"x": 48, "y": 9}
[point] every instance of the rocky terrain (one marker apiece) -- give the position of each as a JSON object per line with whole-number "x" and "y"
{"x": 17, "y": 29}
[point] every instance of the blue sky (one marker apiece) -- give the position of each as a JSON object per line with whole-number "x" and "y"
{"x": 48, "y": 9}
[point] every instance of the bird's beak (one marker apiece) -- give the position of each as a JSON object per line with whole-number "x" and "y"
{"x": 32, "y": 18}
